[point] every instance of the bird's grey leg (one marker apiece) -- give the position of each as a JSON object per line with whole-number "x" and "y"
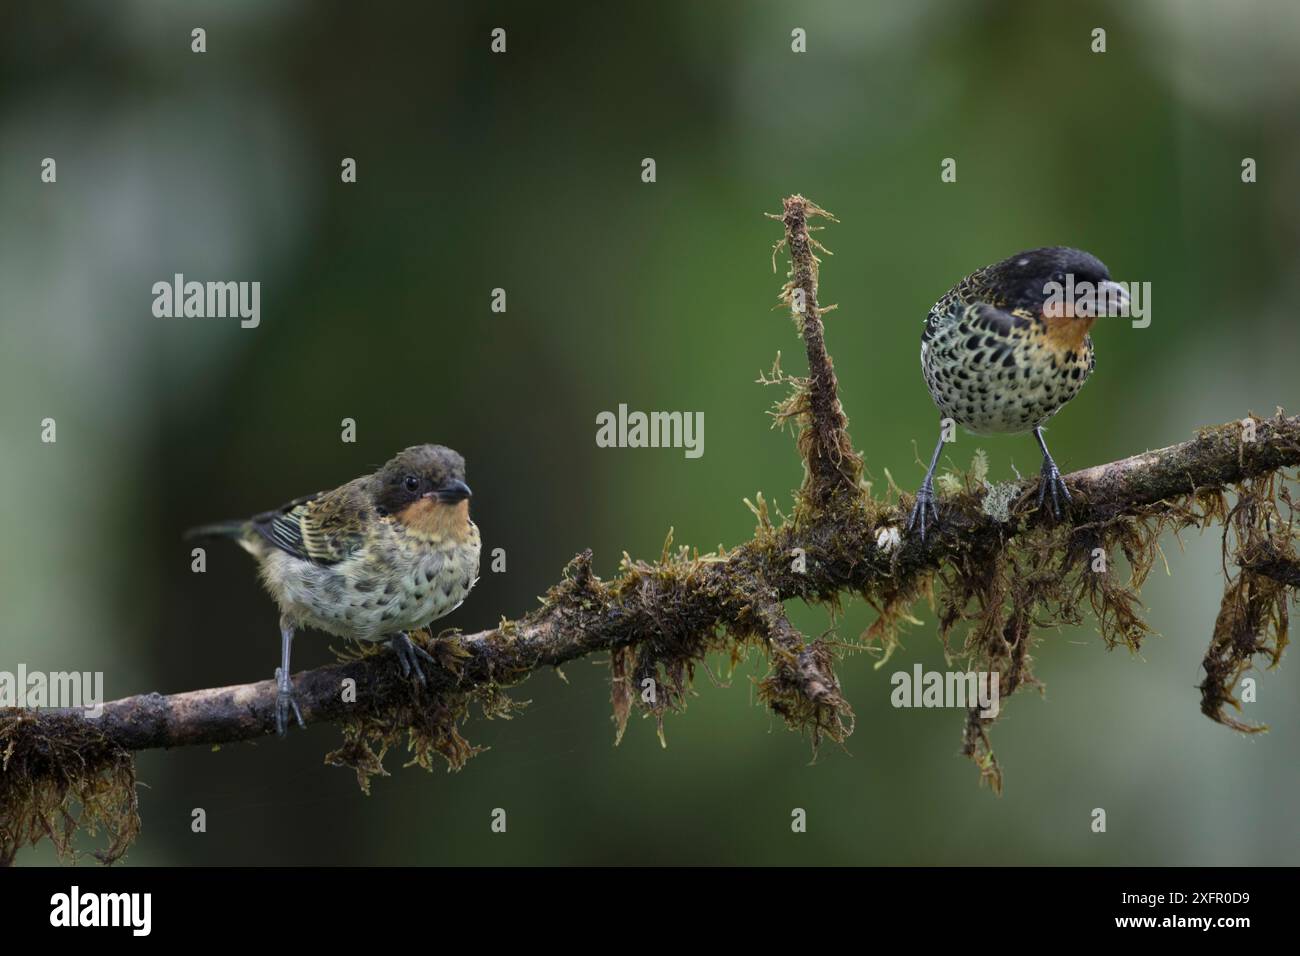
{"x": 1051, "y": 478}
{"x": 925, "y": 500}
{"x": 284, "y": 699}
{"x": 409, "y": 654}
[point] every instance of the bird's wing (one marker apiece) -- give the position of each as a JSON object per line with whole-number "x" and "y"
{"x": 958, "y": 309}
{"x": 989, "y": 318}
{"x": 324, "y": 528}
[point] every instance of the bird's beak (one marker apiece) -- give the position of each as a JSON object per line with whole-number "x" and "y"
{"x": 451, "y": 492}
{"x": 1114, "y": 298}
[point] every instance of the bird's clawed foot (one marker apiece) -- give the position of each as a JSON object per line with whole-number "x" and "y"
{"x": 284, "y": 702}
{"x": 925, "y": 502}
{"x": 409, "y": 654}
{"x": 1050, "y": 478}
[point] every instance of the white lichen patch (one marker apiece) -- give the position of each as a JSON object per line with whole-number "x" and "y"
{"x": 997, "y": 503}
{"x": 888, "y": 539}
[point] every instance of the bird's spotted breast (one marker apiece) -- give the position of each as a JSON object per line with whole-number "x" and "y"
{"x": 1009, "y": 376}
{"x": 373, "y": 559}
{"x": 398, "y": 582}
{"x": 1000, "y": 354}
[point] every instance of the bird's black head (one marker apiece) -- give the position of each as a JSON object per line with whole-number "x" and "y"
{"x": 1025, "y": 280}
{"x": 421, "y": 472}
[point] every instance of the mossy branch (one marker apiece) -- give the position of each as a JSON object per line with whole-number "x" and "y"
{"x": 993, "y": 563}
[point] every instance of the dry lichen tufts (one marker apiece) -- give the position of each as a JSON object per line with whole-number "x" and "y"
{"x": 802, "y": 690}
{"x": 1006, "y": 587}
{"x": 59, "y": 774}
{"x": 1259, "y": 536}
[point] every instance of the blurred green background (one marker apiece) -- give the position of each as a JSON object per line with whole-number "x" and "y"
{"x": 522, "y": 171}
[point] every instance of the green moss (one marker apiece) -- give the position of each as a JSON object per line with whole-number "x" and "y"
{"x": 995, "y": 593}
{"x": 428, "y": 720}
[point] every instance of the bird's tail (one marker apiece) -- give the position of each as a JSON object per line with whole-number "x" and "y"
{"x": 220, "y": 529}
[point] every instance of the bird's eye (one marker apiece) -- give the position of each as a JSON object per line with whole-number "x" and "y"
{"x": 412, "y": 483}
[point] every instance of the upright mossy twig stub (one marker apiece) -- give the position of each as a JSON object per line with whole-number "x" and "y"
{"x": 832, "y": 464}
{"x": 990, "y": 566}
